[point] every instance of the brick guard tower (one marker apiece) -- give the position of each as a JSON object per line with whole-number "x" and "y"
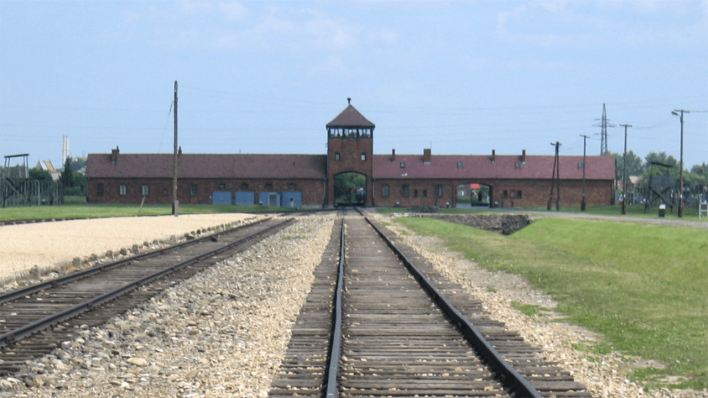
{"x": 350, "y": 146}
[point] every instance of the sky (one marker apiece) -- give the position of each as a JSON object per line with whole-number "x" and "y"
{"x": 459, "y": 77}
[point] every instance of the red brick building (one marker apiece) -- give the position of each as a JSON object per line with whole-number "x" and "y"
{"x": 308, "y": 180}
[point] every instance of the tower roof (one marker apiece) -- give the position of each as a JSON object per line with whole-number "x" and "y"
{"x": 350, "y": 117}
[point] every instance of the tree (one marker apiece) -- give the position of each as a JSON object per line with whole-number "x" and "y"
{"x": 635, "y": 166}
{"x": 40, "y": 175}
{"x": 78, "y": 163}
{"x": 67, "y": 175}
{"x": 662, "y": 157}
{"x": 80, "y": 180}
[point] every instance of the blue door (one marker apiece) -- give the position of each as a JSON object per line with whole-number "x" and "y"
{"x": 221, "y": 197}
{"x": 269, "y": 198}
{"x": 292, "y": 199}
{"x": 245, "y": 198}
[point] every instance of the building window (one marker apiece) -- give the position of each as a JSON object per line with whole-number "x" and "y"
{"x": 269, "y": 186}
{"x": 405, "y": 191}
{"x": 415, "y": 193}
{"x": 99, "y": 189}
{"x": 403, "y": 165}
{"x": 518, "y": 194}
{"x": 145, "y": 190}
{"x": 581, "y": 165}
{"x": 123, "y": 189}
{"x": 164, "y": 192}
{"x": 363, "y": 156}
{"x": 193, "y": 190}
{"x": 221, "y": 186}
{"x": 336, "y": 156}
{"x": 385, "y": 190}
{"x": 438, "y": 191}
{"x": 425, "y": 193}
{"x": 518, "y": 165}
{"x": 459, "y": 165}
{"x": 292, "y": 186}
{"x": 505, "y": 194}
{"x": 244, "y": 186}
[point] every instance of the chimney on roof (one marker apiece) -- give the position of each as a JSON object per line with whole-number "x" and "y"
{"x": 426, "y": 155}
{"x": 523, "y": 155}
{"x": 494, "y": 156}
{"x": 179, "y": 151}
{"x": 393, "y": 155}
{"x": 349, "y": 101}
{"x": 114, "y": 155}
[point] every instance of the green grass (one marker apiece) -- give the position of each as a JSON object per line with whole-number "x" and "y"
{"x": 642, "y": 286}
{"x": 113, "y": 210}
{"x": 394, "y": 210}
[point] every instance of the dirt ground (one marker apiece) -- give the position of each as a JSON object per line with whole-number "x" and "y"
{"x": 54, "y": 243}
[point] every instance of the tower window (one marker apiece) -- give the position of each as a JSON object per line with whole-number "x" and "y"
{"x": 336, "y": 156}
{"x": 363, "y": 156}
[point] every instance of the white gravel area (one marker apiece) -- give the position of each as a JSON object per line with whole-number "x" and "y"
{"x": 222, "y": 333}
{"x": 51, "y": 244}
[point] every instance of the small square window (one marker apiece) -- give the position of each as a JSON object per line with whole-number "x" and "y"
{"x": 221, "y": 186}
{"x": 363, "y": 156}
{"x": 244, "y": 186}
{"x": 336, "y": 156}
{"x": 292, "y": 186}
{"x": 164, "y": 192}
{"x": 581, "y": 165}
{"x": 459, "y": 165}
{"x": 269, "y": 186}
{"x": 403, "y": 165}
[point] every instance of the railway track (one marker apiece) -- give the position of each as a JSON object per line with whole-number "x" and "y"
{"x": 400, "y": 340}
{"x": 37, "y": 319}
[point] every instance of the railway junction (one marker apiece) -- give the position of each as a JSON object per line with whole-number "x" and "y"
{"x": 234, "y": 328}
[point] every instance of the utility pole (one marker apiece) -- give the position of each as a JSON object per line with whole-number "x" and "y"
{"x": 175, "y": 202}
{"x": 680, "y": 209}
{"x": 582, "y": 203}
{"x": 555, "y": 176}
{"x": 624, "y": 172}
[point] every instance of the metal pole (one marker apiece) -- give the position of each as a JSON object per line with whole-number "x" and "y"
{"x": 175, "y": 202}
{"x": 680, "y": 207}
{"x": 558, "y": 176}
{"x": 624, "y": 171}
{"x": 582, "y": 203}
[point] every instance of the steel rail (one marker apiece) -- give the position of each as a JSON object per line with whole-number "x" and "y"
{"x": 331, "y": 390}
{"x": 26, "y": 291}
{"x": 71, "y": 312}
{"x": 508, "y": 375}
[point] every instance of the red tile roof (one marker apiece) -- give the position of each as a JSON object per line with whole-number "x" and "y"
{"x": 479, "y": 167}
{"x": 350, "y": 117}
{"x": 207, "y": 166}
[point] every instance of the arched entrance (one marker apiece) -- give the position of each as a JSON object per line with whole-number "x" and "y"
{"x": 350, "y": 189}
{"x": 473, "y": 194}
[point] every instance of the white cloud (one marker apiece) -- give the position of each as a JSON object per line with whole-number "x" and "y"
{"x": 232, "y": 11}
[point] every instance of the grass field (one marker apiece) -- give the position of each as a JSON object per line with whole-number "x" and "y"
{"x": 642, "y": 286}
{"x": 92, "y": 211}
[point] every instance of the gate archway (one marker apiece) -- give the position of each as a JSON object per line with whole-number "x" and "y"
{"x": 350, "y": 189}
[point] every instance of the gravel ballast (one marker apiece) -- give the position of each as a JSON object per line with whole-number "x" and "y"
{"x": 222, "y": 333}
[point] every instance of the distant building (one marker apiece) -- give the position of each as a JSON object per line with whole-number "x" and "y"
{"x": 309, "y": 180}
{"x": 47, "y": 165}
